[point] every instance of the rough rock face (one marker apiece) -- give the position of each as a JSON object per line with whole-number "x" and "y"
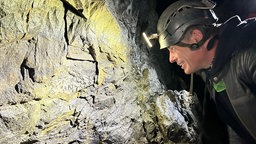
{"x": 76, "y": 71}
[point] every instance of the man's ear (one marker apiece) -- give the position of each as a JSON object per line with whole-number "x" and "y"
{"x": 197, "y": 35}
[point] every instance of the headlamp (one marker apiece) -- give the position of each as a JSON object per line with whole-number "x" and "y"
{"x": 148, "y": 38}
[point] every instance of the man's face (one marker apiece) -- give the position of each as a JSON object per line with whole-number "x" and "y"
{"x": 189, "y": 60}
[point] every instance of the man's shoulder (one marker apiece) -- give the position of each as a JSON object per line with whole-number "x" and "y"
{"x": 235, "y": 36}
{"x": 236, "y": 25}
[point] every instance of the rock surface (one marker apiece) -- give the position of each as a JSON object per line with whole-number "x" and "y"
{"x": 76, "y": 71}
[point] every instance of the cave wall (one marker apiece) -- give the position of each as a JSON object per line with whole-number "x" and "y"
{"x": 76, "y": 71}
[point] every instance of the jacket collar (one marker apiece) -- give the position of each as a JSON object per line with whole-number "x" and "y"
{"x": 226, "y": 46}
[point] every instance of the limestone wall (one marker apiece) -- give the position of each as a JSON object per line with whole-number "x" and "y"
{"x": 75, "y": 71}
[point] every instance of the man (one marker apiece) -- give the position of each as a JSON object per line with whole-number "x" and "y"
{"x": 225, "y": 56}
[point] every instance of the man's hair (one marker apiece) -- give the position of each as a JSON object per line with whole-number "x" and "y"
{"x": 207, "y": 31}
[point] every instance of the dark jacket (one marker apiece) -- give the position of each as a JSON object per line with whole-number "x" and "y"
{"x": 233, "y": 75}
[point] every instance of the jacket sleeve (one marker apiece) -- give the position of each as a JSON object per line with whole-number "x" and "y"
{"x": 247, "y": 40}
{"x": 252, "y": 69}
{"x": 247, "y": 74}
{"x": 241, "y": 84}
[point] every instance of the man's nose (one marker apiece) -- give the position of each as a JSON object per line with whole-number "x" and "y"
{"x": 171, "y": 55}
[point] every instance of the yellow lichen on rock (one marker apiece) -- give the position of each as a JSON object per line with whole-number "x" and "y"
{"x": 109, "y": 33}
{"x": 112, "y": 46}
{"x": 61, "y": 120}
